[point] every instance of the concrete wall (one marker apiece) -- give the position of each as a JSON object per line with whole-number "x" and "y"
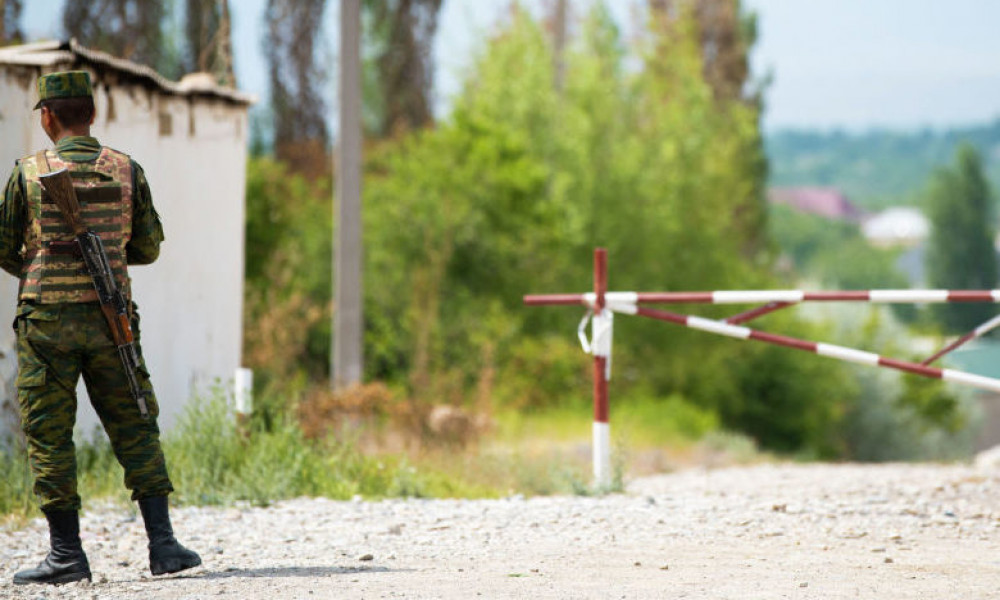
{"x": 194, "y": 153}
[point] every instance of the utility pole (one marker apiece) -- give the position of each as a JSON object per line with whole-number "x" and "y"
{"x": 347, "y": 310}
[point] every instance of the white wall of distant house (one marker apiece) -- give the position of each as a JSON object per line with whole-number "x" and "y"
{"x": 193, "y": 151}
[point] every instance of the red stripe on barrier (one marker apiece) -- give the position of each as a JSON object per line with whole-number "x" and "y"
{"x": 662, "y": 315}
{"x": 960, "y": 341}
{"x": 675, "y": 297}
{"x": 916, "y": 369}
{"x": 750, "y": 315}
{"x": 970, "y": 296}
{"x": 600, "y": 277}
{"x": 553, "y": 299}
{"x": 600, "y": 390}
{"x": 782, "y": 340}
{"x": 600, "y": 362}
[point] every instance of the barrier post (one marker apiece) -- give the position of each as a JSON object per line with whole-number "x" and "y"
{"x": 602, "y": 355}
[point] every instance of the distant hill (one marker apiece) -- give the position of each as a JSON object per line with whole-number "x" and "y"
{"x": 878, "y": 168}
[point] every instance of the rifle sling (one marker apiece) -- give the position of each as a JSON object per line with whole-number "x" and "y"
{"x": 42, "y": 159}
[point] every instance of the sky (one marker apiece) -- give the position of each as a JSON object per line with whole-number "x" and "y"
{"x": 844, "y": 64}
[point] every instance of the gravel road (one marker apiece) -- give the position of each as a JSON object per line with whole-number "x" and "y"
{"x": 767, "y": 531}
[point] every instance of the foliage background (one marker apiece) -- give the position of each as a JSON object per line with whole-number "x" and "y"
{"x": 877, "y": 168}
{"x": 631, "y": 147}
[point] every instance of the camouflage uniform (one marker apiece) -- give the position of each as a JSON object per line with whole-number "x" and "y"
{"x": 61, "y": 331}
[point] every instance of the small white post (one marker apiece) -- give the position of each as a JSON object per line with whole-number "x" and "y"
{"x": 602, "y": 454}
{"x": 243, "y": 391}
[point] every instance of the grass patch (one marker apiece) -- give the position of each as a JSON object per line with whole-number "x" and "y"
{"x": 215, "y": 461}
{"x": 645, "y": 420}
{"x": 548, "y": 451}
{"x": 641, "y": 419}
{"x": 15, "y": 485}
{"x": 212, "y": 460}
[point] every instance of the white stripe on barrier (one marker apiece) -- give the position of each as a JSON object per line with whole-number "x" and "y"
{"x": 623, "y": 307}
{"x": 987, "y": 326}
{"x": 848, "y": 354}
{"x": 621, "y": 297}
{"x": 757, "y": 296}
{"x": 908, "y": 296}
{"x": 719, "y": 327}
{"x": 602, "y": 453}
{"x": 996, "y": 295}
{"x": 983, "y": 383}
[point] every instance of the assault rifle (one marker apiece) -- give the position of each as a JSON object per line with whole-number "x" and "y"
{"x": 59, "y": 186}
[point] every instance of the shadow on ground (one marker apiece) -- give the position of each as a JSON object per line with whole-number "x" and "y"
{"x": 289, "y": 572}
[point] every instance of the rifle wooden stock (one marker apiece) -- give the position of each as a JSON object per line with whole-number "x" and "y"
{"x": 121, "y": 330}
{"x": 59, "y": 186}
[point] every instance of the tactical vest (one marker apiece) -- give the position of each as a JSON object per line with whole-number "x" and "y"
{"x": 53, "y": 269}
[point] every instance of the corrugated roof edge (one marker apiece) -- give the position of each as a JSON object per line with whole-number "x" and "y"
{"x": 47, "y": 54}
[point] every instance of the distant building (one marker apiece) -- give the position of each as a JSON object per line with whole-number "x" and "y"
{"x": 191, "y": 139}
{"x": 899, "y": 226}
{"x": 829, "y": 203}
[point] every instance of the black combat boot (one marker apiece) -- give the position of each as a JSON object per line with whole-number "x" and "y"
{"x": 66, "y": 561}
{"x": 166, "y": 555}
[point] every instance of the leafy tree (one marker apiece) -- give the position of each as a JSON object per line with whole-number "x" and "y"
{"x": 128, "y": 28}
{"x": 288, "y": 274}
{"x": 510, "y": 194}
{"x": 298, "y": 78}
{"x": 208, "y": 36}
{"x": 10, "y": 22}
{"x": 724, "y": 35}
{"x": 960, "y": 252}
{"x": 399, "y": 67}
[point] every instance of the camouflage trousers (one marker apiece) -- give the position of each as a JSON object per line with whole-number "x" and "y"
{"x": 56, "y": 343}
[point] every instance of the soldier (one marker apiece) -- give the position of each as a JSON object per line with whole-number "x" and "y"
{"x": 61, "y": 331}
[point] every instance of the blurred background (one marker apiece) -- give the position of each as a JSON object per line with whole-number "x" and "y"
{"x": 708, "y": 144}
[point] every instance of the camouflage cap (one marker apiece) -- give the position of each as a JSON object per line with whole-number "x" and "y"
{"x": 65, "y": 84}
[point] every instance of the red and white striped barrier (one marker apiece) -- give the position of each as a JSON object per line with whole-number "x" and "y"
{"x": 829, "y": 350}
{"x": 602, "y": 304}
{"x": 761, "y": 296}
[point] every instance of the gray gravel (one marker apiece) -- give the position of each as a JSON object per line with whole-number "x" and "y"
{"x": 769, "y": 531}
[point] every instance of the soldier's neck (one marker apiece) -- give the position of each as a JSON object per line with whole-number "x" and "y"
{"x": 73, "y": 132}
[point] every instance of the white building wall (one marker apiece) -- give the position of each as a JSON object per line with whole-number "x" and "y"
{"x": 193, "y": 151}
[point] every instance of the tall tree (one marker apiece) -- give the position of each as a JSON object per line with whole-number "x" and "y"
{"x": 726, "y": 34}
{"x": 10, "y": 22}
{"x": 298, "y": 79}
{"x": 209, "y": 39}
{"x": 401, "y": 38}
{"x": 557, "y": 24}
{"x": 128, "y": 28}
{"x": 960, "y": 252}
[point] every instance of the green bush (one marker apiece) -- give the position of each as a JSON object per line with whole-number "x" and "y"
{"x": 15, "y": 482}
{"x": 213, "y": 460}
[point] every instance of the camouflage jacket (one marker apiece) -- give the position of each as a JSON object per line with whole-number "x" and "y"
{"x": 147, "y": 231}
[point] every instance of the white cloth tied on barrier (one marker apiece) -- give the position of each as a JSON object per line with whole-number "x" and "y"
{"x": 602, "y": 329}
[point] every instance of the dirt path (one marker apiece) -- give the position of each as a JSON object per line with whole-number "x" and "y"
{"x": 787, "y": 531}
